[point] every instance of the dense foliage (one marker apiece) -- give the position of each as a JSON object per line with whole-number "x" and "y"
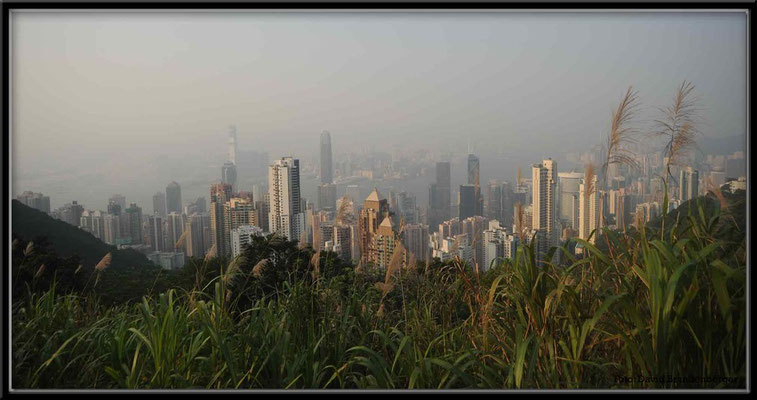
{"x": 666, "y": 302}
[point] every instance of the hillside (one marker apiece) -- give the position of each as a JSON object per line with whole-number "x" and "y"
{"x": 61, "y": 248}
{"x": 68, "y": 240}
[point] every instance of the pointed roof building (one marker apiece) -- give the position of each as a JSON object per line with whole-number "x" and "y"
{"x": 376, "y": 202}
{"x": 386, "y": 227}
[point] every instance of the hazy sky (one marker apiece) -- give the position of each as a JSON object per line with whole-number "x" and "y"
{"x": 107, "y": 103}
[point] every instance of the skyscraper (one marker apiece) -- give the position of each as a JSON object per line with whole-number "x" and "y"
{"x": 327, "y": 172}
{"x": 285, "y": 213}
{"x": 156, "y": 234}
{"x": 384, "y": 244}
{"x": 415, "y": 238}
{"x": 159, "y": 204}
{"x": 176, "y": 223}
{"x": 110, "y": 228}
{"x": 173, "y": 197}
{"x": 569, "y": 198}
{"x": 474, "y": 167}
{"x": 219, "y": 194}
{"x": 196, "y": 243}
{"x": 467, "y": 201}
{"x": 688, "y": 184}
{"x": 439, "y": 195}
{"x": 229, "y": 175}
{"x": 238, "y": 211}
{"x": 543, "y": 218}
{"x": 134, "y": 223}
{"x": 342, "y": 238}
{"x": 375, "y": 210}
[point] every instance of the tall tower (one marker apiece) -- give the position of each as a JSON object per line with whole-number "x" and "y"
{"x": 467, "y": 201}
{"x": 220, "y": 193}
{"x": 229, "y": 175}
{"x": 543, "y": 200}
{"x": 285, "y": 214}
{"x": 474, "y": 166}
{"x": 232, "y": 156}
{"x": 327, "y": 172}
{"x": 439, "y": 196}
{"x": 173, "y": 197}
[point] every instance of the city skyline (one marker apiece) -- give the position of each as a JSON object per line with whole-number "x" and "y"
{"x": 526, "y": 100}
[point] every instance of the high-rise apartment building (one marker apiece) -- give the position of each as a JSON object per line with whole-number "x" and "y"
{"x": 92, "y": 222}
{"x": 241, "y": 236}
{"x": 173, "y": 197}
{"x": 238, "y": 211}
{"x": 286, "y": 214}
{"x": 198, "y": 239}
{"x": 474, "y": 228}
{"x": 498, "y": 244}
{"x": 155, "y": 233}
{"x": 384, "y": 244}
{"x": 543, "y": 201}
{"x": 327, "y": 171}
{"x": 110, "y": 228}
{"x": 688, "y": 184}
{"x": 134, "y": 223}
{"x": 375, "y": 210}
{"x": 415, "y": 239}
{"x": 176, "y": 224}
{"x": 342, "y": 241}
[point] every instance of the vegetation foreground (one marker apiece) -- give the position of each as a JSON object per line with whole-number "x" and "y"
{"x": 663, "y": 307}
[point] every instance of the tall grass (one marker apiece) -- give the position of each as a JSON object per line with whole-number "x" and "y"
{"x": 671, "y": 306}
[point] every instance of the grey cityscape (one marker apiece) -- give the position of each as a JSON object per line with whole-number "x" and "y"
{"x": 405, "y": 146}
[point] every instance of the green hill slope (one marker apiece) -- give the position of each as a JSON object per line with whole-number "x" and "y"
{"x": 68, "y": 240}
{"x": 61, "y": 248}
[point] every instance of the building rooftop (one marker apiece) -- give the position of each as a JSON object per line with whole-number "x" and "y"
{"x": 374, "y": 196}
